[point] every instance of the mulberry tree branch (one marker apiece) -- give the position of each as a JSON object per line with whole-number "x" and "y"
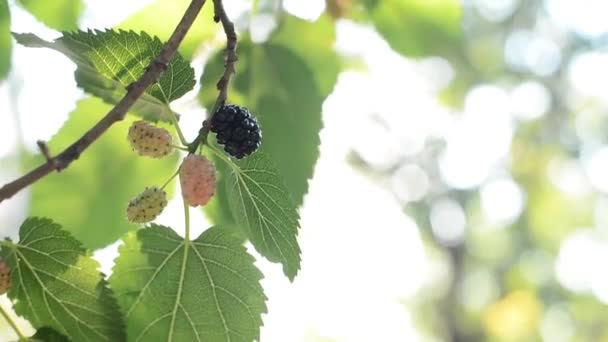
{"x": 231, "y": 56}
{"x": 116, "y": 114}
{"x": 229, "y": 70}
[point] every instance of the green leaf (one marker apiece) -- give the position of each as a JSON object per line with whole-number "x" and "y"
{"x": 46, "y": 334}
{"x": 203, "y": 29}
{"x": 91, "y": 195}
{"x": 61, "y": 15}
{"x": 280, "y": 90}
{"x": 5, "y": 39}
{"x": 217, "y": 209}
{"x": 108, "y": 61}
{"x": 262, "y": 206}
{"x": 418, "y": 27}
{"x": 55, "y": 283}
{"x": 171, "y": 289}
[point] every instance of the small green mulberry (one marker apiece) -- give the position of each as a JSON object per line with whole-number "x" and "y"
{"x": 147, "y": 205}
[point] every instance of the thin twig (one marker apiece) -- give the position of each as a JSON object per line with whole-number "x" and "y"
{"x": 116, "y": 114}
{"x": 229, "y": 70}
{"x": 231, "y": 56}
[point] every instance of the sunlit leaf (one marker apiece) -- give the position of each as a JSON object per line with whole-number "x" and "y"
{"x": 55, "y": 283}
{"x": 91, "y": 195}
{"x": 109, "y": 61}
{"x": 263, "y": 208}
{"x": 171, "y": 289}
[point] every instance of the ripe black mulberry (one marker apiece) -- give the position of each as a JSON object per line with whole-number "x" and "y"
{"x": 237, "y": 130}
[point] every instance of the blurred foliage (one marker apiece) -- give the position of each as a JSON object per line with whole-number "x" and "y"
{"x": 5, "y": 39}
{"x": 417, "y": 27}
{"x": 61, "y": 15}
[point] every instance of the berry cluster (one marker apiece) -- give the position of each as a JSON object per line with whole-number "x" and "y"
{"x": 237, "y": 130}
{"x": 197, "y": 178}
{"x": 147, "y": 205}
{"x": 5, "y": 277}
{"x": 149, "y": 140}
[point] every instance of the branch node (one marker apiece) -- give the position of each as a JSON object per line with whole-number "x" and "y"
{"x": 130, "y": 86}
{"x": 44, "y": 149}
{"x": 160, "y": 65}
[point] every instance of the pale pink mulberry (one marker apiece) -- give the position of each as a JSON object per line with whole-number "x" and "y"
{"x": 197, "y": 178}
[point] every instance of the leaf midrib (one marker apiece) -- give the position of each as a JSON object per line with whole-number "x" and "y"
{"x": 240, "y": 180}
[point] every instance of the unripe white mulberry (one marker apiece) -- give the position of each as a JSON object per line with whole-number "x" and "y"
{"x": 147, "y": 205}
{"x": 149, "y": 140}
{"x": 197, "y": 178}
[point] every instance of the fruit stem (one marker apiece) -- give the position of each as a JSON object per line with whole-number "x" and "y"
{"x": 170, "y": 178}
{"x": 201, "y": 138}
{"x": 187, "y": 219}
{"x": 175, "y": 123}
{"x": 5, "y": 243}
{"x": 12, "y": 324}
{"x": 180, "y": 147}
{"x": 224, "y": 158}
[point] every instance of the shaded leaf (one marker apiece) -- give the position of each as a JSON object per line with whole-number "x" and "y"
{"x": 61, "y": 15}
{"x": 176, "y": 290}
{"x": 55, "y": 283}
{"x": 314, "y": 45}
{"x": 91, "y": 195}
{"x": 263, "y": 208}
{"x": 46, "y": 334}
{"x": 108, "y": 61}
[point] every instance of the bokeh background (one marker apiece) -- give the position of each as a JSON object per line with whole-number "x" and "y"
{"x": 461, "y": 188}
